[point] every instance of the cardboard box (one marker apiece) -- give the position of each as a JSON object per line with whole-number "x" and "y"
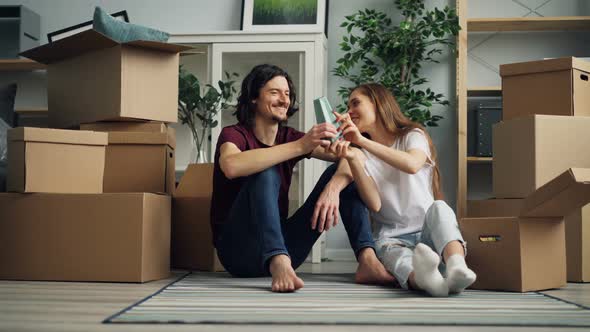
{"x": 530, "y": 151}
{"x": 140, "y": 162}
{"x": 137, "y": 126}
{"x": 494, "y": 207}
{"x": 53, "y": 160}
{"x": 525, "y": 251}
{"x": 577, "y": 243}
{"x": 192, "y": 240}
{"x": 91, "y": 77}
{"x": 556, "y": 86}
{"x": 85, "y": 237}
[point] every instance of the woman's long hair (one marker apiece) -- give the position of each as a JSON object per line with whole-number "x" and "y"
{"x": 395, "y": 122}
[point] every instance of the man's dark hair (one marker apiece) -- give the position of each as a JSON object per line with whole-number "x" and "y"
{"x": 251, "y": 85}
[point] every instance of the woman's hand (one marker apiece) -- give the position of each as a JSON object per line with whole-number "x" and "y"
{"x": 341, "y": 149}
{"x": 349, "y": 130}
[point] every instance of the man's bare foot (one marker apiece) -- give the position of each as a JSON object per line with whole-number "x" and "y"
{"x": 371, "y": 270}
{"x": 284, "y": 279}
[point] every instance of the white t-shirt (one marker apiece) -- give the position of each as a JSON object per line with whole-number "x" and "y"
{"x": 405, "y": 197}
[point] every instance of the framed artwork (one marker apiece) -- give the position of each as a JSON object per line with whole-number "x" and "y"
{"x": 63, "y": 33}
{"x": 285, "y": 15}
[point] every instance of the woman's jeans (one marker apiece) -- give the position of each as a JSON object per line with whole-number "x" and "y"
{"x": 254, "y": 231}
{"x": 440, "y": 228}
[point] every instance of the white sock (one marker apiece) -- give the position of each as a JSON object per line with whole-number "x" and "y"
{"x": 459, "y": 276}
{"x": 426, "y": 273}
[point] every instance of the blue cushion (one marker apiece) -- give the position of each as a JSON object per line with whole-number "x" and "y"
{"x": 123, "y": 32}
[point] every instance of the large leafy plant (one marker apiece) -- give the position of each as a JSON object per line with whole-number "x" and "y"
{"x": 376, "y": 50}
{"x": 198, "y": 106}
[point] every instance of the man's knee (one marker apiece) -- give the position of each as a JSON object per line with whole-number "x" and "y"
{"x": 268, "y": 177}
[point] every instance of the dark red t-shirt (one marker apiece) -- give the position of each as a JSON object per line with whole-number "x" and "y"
{"x": 225, "y": 190}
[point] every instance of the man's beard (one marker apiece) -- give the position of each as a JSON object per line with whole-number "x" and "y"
{"x": 280, "y": 119}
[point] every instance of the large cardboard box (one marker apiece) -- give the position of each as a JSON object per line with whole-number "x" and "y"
{"x": 57, "y": 161}
{"x": 577, "y": 231}
{"x": 525, "y": 251}
{"x": 140, "y": 162}
{"x": 137, "y": 126}
{"x": 192, "y": 240}
{"x": 91, "y": 77}
{"x": 556, "y": 86}
{"x": 577, "y": 243}
{"x": 85, "y": 237}
{"x": 532, "y": 150}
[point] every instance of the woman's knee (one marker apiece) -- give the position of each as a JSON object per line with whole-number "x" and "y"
{"x": 440, "y": 211}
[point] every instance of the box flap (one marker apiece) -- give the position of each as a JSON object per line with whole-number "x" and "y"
{"x": 122, "y": 137}
{"x": 541, "y": 66}
{"x": 560, "y": 196}
{"x": 197, "y": 181}
{"x": 137, "y": 126}
{"x": 78, "y": 44}
{"x": 30, "y": 134}
{"x": 89, "y": 41}
{"x": 164, "y": 47}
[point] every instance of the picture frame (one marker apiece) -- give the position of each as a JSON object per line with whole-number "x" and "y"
{"x": 66, "y": 32}
{"x": 285, "y": 16}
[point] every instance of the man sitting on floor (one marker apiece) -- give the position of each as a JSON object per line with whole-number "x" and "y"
{"x": 254, "y": 162}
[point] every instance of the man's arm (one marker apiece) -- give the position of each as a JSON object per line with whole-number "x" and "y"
{"x": 236, "y": 163}
{"x": 325, "y": 214}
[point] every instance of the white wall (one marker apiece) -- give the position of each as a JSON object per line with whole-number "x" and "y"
{"x": 192, "y": 16}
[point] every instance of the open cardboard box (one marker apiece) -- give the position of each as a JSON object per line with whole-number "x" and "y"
{"x": 91, "y": 77}
{"x": 192, "y": 239}
{"x": 555, "y": 86}
{"x": 122, "y": 237}
{"x": 55, "y": 161}
{"x": 525, "y": 252}
{"x": 532, "y": 150}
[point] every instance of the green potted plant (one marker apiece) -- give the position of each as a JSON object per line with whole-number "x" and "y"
{"x": 376, "y": 50}
{"x": 198, "y": 106}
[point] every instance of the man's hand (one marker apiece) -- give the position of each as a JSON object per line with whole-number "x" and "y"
{"x": 317, "y": 135}
{"x": 326, "y": 213}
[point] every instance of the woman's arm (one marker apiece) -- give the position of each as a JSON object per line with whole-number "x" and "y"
{"x": 410, "y": 162}
{"x": 364, "y": 183}
{"x": 352, "y": 161}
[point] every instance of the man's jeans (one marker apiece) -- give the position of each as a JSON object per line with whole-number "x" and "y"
{"x": 254, "y": 231}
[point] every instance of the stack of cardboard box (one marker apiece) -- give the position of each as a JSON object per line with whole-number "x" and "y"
{"x": 94, "y": 204}
{"x": 541, "y": 182}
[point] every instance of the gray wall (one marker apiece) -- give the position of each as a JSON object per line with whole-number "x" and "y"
{"x": 193, "y": 16}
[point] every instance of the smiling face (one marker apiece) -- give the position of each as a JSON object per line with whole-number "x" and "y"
{"x": 362, "y": 111}
{"x": 273, "y": 100}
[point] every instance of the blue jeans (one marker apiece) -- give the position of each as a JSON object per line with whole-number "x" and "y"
{"x": 440, "y": 227}
{"x": 254, "y": 231}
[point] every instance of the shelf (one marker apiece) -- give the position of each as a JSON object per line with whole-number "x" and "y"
{"x": 558, "y": 23}
{"x": 20, "y": 65}
{"x": 27, "y": 111}
{"x": 479, "y": 160}
{"x": 484, "y": 91}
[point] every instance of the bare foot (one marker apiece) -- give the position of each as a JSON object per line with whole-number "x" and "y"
{"x": 284, "y": 279}
{"x": 371, "y": 270}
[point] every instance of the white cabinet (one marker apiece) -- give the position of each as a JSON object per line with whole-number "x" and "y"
{"x": 302, "y": 55}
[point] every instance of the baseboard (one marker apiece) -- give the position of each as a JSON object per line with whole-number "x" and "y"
{"x": 341, "y": 255}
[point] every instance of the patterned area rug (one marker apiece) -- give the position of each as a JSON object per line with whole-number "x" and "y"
{"x": 216, "y": 298}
